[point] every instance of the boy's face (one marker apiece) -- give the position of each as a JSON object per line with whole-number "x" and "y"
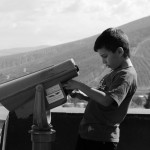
{"x": 110, "y": 59}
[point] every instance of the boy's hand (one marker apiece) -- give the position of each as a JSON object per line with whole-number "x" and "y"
{"x": 75, "y": 87}
{"x": 80, "y": 95}
{"x": 72, "y": 85}
{"x": 76, "y": 94}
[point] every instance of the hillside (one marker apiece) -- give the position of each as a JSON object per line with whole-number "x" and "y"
{"x": 81, "y": 51}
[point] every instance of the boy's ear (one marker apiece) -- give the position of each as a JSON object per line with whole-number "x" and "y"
{"x": 120, "y": 51}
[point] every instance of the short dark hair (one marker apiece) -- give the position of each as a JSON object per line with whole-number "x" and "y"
{"x": 111, "y": 39}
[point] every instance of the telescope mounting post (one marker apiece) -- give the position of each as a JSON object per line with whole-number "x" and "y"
{"x": 42, "y": 134}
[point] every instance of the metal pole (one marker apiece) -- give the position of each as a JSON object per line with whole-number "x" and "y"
{"x": 42, "y": 134}
{"x": 5, "y": 133}
{"x": 42, "y": 140}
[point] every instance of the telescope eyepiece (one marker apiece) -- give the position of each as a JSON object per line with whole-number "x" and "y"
{"x": 77, "y": 68}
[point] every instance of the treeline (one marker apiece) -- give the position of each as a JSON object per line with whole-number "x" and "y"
{"x": 20, "y": 59}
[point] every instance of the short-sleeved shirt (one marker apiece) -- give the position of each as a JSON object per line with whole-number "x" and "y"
{"x": 102, "y": 123}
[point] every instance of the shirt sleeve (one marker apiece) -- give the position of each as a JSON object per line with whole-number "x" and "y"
{"x": 119, "y": 88}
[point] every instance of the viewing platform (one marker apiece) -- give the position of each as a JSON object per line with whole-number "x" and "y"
{"x": 135, "y": 129}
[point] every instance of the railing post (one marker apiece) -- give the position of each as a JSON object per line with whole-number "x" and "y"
{"x": 42, "y": 134}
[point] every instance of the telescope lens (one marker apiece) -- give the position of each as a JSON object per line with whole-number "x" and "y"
{"x": 77, "y": 68}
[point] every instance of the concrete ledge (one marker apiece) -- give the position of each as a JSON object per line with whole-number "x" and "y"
{"x": 3, "y": 113}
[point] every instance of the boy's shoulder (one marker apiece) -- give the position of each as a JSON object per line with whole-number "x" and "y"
{"x": 128, "y": 72}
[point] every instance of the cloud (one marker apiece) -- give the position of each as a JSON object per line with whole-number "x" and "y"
{"x": 130, "y": 10}
{"x": 56, "y": 21}
{"x": 73, "y": 7}
{"x": 16, "y": 5}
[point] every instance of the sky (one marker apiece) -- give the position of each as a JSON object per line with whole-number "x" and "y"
{"x": 27, "y": 23}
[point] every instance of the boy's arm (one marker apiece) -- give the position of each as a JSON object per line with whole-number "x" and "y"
{"x": 94, "y": 94}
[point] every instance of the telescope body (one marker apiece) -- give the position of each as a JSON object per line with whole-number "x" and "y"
{"x": 17, "y": 92}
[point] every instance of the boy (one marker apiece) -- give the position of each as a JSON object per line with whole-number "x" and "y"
{"x": 108, "y": 104}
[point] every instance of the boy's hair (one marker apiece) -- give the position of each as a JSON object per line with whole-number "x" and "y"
{"x": 111, "y": 39}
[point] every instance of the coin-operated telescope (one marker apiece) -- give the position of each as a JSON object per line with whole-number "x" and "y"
{"x": 42, "y": 91}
